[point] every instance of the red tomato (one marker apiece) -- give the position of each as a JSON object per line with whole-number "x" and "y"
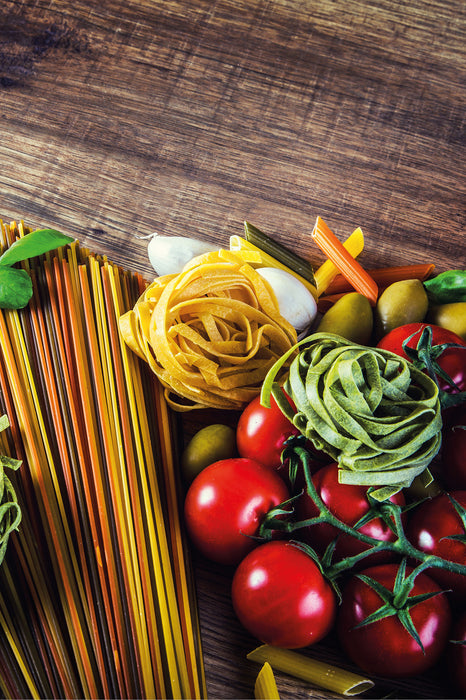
{"x": 453, "y": 465}
{"x": 429, "y": 527}
{"x": 261, "y": 433}
{"x": 452, "y": 360}
{"x": 226, "y": 504}
{"x": 456, "y": 655}
{"x": 385, "y": 647}
{"x": 281, "y": 597}
{"x": 349, "y": 503}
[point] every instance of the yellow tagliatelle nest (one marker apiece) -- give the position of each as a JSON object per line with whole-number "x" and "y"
{"x": 210, "y": 333}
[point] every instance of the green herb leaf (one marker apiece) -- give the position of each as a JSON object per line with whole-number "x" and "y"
{"x": 447, "y": 287}
{"x": 15, "y": 288}
{"x": 34, "y": 243}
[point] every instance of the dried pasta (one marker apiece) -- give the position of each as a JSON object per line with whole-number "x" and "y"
{"x": 209, "y": 333}
{"x": 318, "y": 673}
{"x": 96, "y": 596}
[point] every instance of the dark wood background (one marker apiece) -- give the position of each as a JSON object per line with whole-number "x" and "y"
{"x": 123, "y": 117}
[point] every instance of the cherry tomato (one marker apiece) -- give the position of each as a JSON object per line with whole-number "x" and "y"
{"x": 262, "y": 431}
{"x": 429, "y": 528}
{"x": 456, "y": 655}
{"x": 226, "y": 504}
{"x": 384, "y": 647}
{"x": 281, "y": 597}
{"x": 452, "y": 360}
{"x": 349, "y": 503}
{"x": 453, "y": 464}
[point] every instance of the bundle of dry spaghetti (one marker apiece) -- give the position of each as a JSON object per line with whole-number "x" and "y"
{"x": 96, "y": 596}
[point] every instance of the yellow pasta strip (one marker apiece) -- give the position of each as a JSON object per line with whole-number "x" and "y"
{"x": 14, "y": 644}
{"x": 37, "y": 449}
{"x": 187, "y": 596}
{"x": 125, "y": 606}
{"x": 145, "y": 542}
{"x": 256, "y": 257}
{"x": 120, "y": 500}
{"x": 324, "y": 675}
{"x": 324, "y": 275}
{"x": 177, "y": 323}
{"x": 9, "y": 629}
{"x": 159, "y": 546}
{"x": 94, "y": 474}
{"x": 265, "y": 687}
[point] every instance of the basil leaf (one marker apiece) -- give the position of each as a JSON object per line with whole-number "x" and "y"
{"x": 15, "y": 288}
{"x": 34, "y": 243}
{"x": 447, "y": 287}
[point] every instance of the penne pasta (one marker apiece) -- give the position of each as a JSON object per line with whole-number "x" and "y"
{"x": 343, "y": 261}
{"x": 327, "y": 272}
{"x": 265, "y": 687}
{"x": 318, "y": 673}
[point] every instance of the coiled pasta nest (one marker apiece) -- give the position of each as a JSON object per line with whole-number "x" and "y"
{"x": 210, "y": 333}
{"x": 372, "y": 411}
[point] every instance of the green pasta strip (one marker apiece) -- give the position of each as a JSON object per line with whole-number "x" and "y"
{"x": 370, "y": 410}
{"x": 279, "y": 252}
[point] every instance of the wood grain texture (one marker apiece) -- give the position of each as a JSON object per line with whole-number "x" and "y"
{"x": 123, "y": 117}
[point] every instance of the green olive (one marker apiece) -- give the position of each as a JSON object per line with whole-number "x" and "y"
{"x": 350, "y": 317}
{"x": 451, "y": 316}
{"x": 400, "y": 303}
{"x": 208, "y": 445}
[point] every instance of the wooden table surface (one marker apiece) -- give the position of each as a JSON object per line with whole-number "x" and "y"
{"x": 123, "y": 117}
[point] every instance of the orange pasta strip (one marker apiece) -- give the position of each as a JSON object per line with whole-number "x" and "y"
{"x": 99, "y": 465}
{"x": 167, "y": 603}
{"x": 348, "y": 266}
{"x": 152, "y": 648}
{"x": 44, "y": 356}
{"x": 328, "y": 300}
{"x": 92, "y": 479}
{"x": 71, "y": 456}
{"x": 39, "y": 456}
{"x": 115, "y": 615}
{"x": 324, "y": 274}
{"x": 384, "y": 276}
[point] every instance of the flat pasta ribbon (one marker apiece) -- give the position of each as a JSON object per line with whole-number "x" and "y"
{"x": 210, "y": 333}
{"x": 372, "y": 411}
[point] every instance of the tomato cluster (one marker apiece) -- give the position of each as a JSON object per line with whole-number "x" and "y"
{"x": 296, "y": 574}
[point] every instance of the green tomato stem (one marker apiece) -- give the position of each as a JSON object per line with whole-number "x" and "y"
{"x": 400, "y": 546}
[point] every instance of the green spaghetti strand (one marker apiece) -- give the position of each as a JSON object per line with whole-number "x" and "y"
{"x": 372, "y": 411}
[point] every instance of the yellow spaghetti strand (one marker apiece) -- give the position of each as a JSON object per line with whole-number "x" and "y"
{"x": 159, "y": 545}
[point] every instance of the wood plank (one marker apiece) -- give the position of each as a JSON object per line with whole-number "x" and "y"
{"x": 121, "y": 118}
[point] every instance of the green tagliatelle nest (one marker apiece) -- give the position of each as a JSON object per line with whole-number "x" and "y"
{"x": 372, "y": 411}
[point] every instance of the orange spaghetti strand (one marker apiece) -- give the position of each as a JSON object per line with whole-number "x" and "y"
{"x": 101, "y": 576}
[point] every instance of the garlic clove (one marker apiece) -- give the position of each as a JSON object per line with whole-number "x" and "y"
{"x": 169, "y": 254}
{"x": 295, "y": 301}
